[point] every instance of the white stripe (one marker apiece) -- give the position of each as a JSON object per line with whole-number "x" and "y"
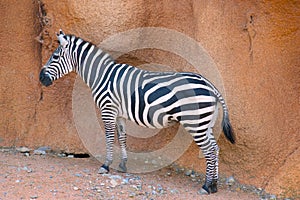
{"x": 91, "y": 66}
{"x": 98, "y": 70}
{"x": 130, "y": 114}
{"x": 185, "y": 113}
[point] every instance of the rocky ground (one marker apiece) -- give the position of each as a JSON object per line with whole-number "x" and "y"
{"x": 38, "y": 174}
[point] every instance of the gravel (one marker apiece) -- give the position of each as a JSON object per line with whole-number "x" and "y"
{"x": 53, "y": 176}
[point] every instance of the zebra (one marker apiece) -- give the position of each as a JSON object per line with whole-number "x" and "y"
{"x": 150, "y": 99}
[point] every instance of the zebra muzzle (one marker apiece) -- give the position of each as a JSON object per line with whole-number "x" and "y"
{"x": 45, "y": 78}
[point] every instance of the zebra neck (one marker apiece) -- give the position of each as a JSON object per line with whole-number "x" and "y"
{"x": 93, "y": 63}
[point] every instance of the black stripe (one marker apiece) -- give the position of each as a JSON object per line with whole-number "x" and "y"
{"x": 79, "y": 51}
{"x": 85, "y": 52}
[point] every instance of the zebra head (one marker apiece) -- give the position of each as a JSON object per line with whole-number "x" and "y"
{"x": 59, "y": 64}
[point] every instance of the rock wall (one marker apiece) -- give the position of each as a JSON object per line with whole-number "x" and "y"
{"x": 254, "y": 45}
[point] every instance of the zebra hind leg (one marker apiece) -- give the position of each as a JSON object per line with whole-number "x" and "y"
{"x": 211, "y": 153}
{"x": 209, "y": 148}
{"x": 121, "y": 130}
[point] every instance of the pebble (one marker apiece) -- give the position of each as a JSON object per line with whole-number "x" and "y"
{"x": 272, "y": 197}
{"x": 39, "y": 152}
{"x": 230, "y": 181}
{"x": 115, "y": 177}
{"x": 160, "y": 189}
{"x": 113, "y": 183}
{"x": 76, "y": 188}
{"x": 45, "y": 148}
{"x": 34, "y": 197}
{"x": 23, "y": 149}
{"x": 174, "y": 191}
{"x": 62, "y": 155}
{"x": 26, "y": 154}
{"x": 28, "y": 170}
{"x": 78, "y": 175}
{"x": 132, "y": 194}
{"x": 168, "y": 173}
{"x": 188, "y": 172}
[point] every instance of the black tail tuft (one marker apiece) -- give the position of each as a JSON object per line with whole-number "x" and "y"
{"x": 227, "y": 129}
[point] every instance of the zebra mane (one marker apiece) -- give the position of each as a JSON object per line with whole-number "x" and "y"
{"x": 71, "y": 36}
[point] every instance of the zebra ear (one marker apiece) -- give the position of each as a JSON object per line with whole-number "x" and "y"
{"x": 61, "y": 32}
{"x": 62, "y": 40}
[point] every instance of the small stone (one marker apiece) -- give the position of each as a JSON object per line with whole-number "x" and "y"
{"x": 115, "y": 177}
{"x": 71, "y": 156}
{"x": 230, "y": 181}
{"x": 177, "y": 170}
{"x": 39, "y": 152}
{"x": 78, "y": 175}
{"x": 137, "y": 187}
{"x": 76, "y": 188}
{"x": 125, "y": 181}
{"x": 188, "y": 172}
{"x": 34, "y": 197}
{"x": 174, "y": 191}
{"x": 23, "y": 149}
{"x": 132, "y": 195}
{"x": 272, "y": 197}
{"x": 113, "y": 183}
{"x": 28, "y": 170}
{"x": 62, "y": 155}
{"x": 153, "y": 192}
{"x": 160, "y": 189}
{"x": 45, "y": 149}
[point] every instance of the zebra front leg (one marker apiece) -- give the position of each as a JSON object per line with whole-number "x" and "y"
{"x": 110, "y": 137}
{"x": 121, "y": 130}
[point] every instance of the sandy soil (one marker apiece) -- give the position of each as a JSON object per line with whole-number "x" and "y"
{"x": 52, "y": 177}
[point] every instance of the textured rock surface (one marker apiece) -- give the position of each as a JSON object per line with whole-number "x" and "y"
{"x": 254, "y": 44}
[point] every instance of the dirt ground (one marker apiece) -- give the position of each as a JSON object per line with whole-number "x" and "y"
{"x": 52, "y": 177}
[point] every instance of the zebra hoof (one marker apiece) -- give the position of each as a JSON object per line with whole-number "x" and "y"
{"x": 122, "y": 167}
{"x": 204, "y": 190}
{"x": 213, "y": 187}
{"x": 103, "y": 169}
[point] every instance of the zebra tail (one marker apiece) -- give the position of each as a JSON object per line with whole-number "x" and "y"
{"x": 227, "y": 128}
